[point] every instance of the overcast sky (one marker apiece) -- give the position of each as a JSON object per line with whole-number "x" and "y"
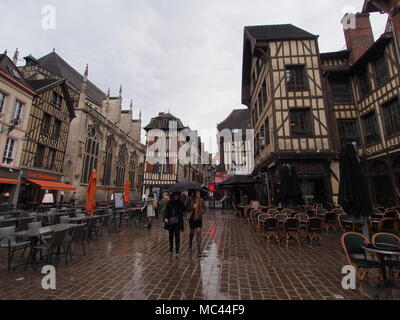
{"x": 179, "y": 55}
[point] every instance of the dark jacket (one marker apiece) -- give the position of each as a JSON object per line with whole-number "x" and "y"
{"x": 175, "y": 208}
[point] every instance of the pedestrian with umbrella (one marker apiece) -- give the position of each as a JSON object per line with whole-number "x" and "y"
{"x": 174, "y": 221}
{"x": 354, "y": 195}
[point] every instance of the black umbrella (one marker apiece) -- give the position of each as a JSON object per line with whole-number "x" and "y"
{"x": 354, "y": 195}
{"x": 297, "y": 197}
{"x": 185, "y": 186}
{"x": 237, "y": 181}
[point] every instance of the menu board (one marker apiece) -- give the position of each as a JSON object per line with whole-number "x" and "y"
{"x": 118, "y": 200}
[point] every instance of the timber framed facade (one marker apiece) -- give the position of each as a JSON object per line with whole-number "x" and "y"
{"x": 283, "y": 88}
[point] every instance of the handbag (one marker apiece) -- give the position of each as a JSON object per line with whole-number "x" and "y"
{"x": 173, "y": 220}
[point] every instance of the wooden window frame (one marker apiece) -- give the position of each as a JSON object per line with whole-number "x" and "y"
{"x": 380, "y": 82}
{"x": 303, "y": 133}
{"x": 366, "y": 126}
{"x": 390, "y": 119}
{"x": 304, "y": 86}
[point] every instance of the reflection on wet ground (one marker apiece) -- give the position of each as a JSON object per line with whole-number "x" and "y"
{"x": 135, "y": 264}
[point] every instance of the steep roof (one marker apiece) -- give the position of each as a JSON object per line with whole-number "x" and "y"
{"x": 254, "y": 44}
{"x": 10, "y": 69}
{"x": 43, "y": 85}
{"x": 278, "y": 32}
{"x": 162, "y": 122}
{"x": 238, "y": 119}
{"x": 342, "y": 54}
{"x": 55, "y": 64}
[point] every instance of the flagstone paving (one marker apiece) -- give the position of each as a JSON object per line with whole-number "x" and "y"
{"x": 135, "y": 264}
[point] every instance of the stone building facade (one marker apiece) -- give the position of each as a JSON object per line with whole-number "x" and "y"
{"x": 102, "y": 137}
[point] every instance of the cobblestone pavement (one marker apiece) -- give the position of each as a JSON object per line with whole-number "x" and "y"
{"x": 135, "y": 264}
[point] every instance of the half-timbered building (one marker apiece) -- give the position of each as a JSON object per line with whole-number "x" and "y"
{"x": 164, "y": 166}
{"x": 236, "y": 143}
{"x": 363, "y": 91}
{"x": 46, "y": 138}
{"x": 283, "y": 89}
{"x": 103, "y": 136}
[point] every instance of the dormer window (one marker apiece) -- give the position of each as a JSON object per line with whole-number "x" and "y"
{"x": 14, "y": 73}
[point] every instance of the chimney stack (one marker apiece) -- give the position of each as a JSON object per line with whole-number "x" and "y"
{"x": 358, "y": 34}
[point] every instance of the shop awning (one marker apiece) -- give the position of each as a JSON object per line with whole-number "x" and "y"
{"x": 52, "y": 185}
{"x": 9, "y": 181}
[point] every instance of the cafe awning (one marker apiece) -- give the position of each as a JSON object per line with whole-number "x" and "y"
{"x": 52, "y": 185}
{"x": 9, "y": 181}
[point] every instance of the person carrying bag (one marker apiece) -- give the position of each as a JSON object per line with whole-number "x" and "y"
{"x": 173, "y": 219}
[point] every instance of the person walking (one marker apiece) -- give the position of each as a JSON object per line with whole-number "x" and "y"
{"x": 174, "y": 218}
{"x": 72, "y": 200}
{"x": 151, "y": 206}
{"x": 198, "y": 208}
{"x": 163, "y": 204}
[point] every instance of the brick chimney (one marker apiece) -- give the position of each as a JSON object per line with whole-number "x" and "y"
{"x": 358, "y": 34}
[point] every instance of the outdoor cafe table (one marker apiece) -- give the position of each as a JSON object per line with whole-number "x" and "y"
{"x": 34, "y": 235}
{"x": 79, "y": 219}
{"x": 354, "y": 222}
{"x": 385, "y": 252}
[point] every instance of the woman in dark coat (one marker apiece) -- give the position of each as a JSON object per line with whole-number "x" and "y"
{"x": 174, "y": 218}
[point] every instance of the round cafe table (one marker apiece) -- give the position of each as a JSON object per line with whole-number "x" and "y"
{"x": 386, "y": 252}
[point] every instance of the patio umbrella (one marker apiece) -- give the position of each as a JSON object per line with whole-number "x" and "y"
{"x": 354, "y": 195}
{"x": 185, "y": 186}
{"x": 297, "y": 197}
{"x": 127, "y": 191}
{"x": 237, "y": 181}
{"x": 91, "y": 193}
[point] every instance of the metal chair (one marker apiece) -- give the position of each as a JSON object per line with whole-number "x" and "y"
{"x": 5, "y": 224}
{"x": 8, "y": 241}
{"x": 352, "y": 243}
{"x": 24, "y": 224}
{"x": 104, "y": 223}
{"x": 57, "y": 241}
{"x": 77, "y": 235}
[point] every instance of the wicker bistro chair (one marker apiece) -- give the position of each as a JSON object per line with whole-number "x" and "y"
{"x": 390, "y": 214}
{"x": 271, "y": 230}
{"x": 344, "y": 226}
{"x": 320, "y": 212}
{"x": 252, "y": 215}
{"x": 260, "y": 222}
{"x": 392, "y": 239}
{"x": 8, "y": 241}
{"x": 315, "y": 227}
{"x": 352, "y": 243}
{"x": 291, "y": 228}
{"x": 330, "y": 222}
{"x": 303, "y": 219}
{"x": 387, "y": 225}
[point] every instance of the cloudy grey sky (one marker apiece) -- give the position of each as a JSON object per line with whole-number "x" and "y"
{"x": 182, "y": 55}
